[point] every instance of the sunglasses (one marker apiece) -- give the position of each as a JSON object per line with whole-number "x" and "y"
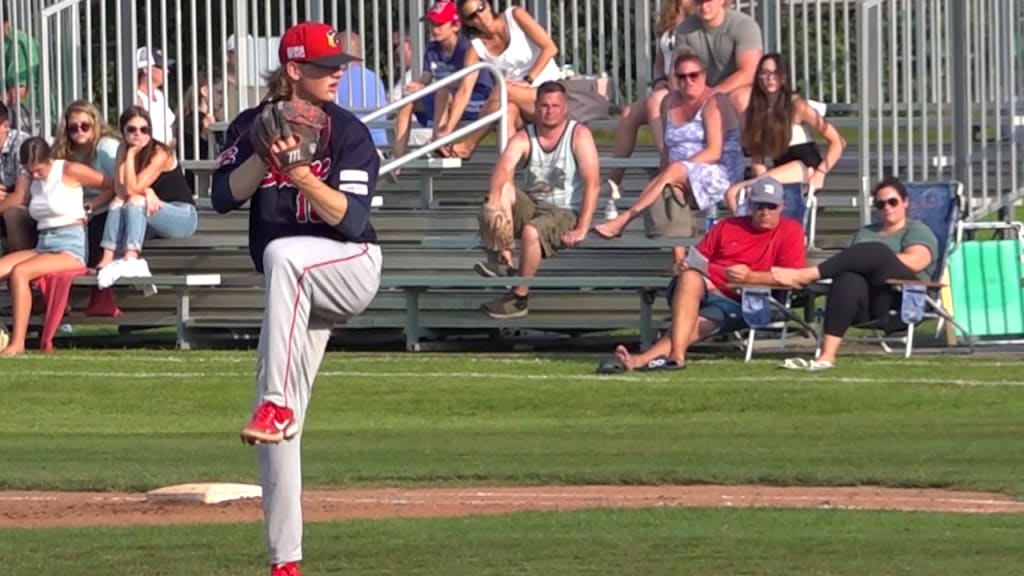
{"x": 133, "y": 129}
{"x": 892, "y": 202}
{"x": 479, "y": 10}
{"x": 688, "y": 76}
{"x": 84, "y": 128}
{"x": 765, "y": 206}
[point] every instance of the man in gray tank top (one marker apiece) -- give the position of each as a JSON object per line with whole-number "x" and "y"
{"x": 550, "y": 208}
{"x": 729, "y": 44}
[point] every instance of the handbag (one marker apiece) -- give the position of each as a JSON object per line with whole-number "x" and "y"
{"x": 669, "y": 217}
{"x": 587, "y": 98}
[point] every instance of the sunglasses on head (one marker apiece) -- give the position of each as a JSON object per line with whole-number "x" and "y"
{"x": 139, "y": 129}
{"x": 892, "y": 202}
{"x": 474, "y": 13}
{"x": 688, "y": 76}
{"x": 84, "y": 128}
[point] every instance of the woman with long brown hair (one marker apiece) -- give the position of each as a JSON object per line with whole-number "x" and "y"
{"x": 83, "y": 136}
{"x": 151, "y": 191}
{"x": 648, "y": 110}
{"x": 774, "y": 127}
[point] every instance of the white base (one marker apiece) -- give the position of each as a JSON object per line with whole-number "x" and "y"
{"x": 204, "y": 493}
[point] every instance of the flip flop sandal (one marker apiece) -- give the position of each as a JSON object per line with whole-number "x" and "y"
{"x": 806, "y": 365}
{"x": 610, "y": 364}
{"x": 662, "y": 363}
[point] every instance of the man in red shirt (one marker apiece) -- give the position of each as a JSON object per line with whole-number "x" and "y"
{"x": 742, "y": 249}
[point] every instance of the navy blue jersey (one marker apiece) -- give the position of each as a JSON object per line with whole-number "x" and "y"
{"x": 349, "y": 165}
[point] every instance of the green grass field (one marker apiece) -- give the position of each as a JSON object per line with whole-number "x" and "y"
{"x": 135, "y": 420}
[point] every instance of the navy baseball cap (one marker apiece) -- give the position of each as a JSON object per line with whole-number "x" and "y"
{"x": 766, "y": 190}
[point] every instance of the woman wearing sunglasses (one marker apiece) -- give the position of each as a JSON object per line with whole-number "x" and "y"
{"x": 775, "y": 126}
{"x": 895, "y": 248}
{"x": 85, "y": 138}
{"x": 518, "y": 46}
{"x": 151, "y": 191}
{"x": 702, "y": 156}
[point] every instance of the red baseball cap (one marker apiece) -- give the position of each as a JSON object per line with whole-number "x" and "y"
{"x": 315, "y": 43}
{"x": 442, "y": 12}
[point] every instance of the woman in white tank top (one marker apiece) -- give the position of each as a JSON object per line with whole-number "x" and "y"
{"x": 57, "y": 206}
{"x": 647, "y": 110}
{"x": 518, "y": 46}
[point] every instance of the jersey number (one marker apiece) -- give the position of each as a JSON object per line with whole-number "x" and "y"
{"x": 305, "y": 212}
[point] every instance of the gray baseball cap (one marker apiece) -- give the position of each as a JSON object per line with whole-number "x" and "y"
{"x": 766, "y": 190}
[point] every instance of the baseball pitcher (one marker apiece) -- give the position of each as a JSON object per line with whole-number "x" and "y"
{"x": 308, "y": 169}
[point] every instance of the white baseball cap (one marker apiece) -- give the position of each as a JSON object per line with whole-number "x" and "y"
{"x": 146, "y": 58}
{"x": 230, "y": 45}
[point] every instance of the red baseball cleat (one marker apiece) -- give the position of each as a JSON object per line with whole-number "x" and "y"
{"x": 270, "y": 424}
{"x": 289, "y": 569}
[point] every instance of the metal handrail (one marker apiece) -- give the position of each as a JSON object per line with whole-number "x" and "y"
{"x": 500, "y": 115}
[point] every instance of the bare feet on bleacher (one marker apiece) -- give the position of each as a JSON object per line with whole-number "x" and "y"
{"x": 612, "y": 228}
{"x": 457, "y": 150}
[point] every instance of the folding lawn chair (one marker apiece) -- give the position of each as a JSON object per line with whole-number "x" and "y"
{"x": 986, "y": 294}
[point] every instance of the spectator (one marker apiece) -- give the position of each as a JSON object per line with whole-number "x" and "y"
{"x": 150, "y": 95}
{"x": 197, "y": 121}
{"x": 57, "y": 206}
{"x": 741, "y": 249}
{"x": 16, "y": 227}
{"x": 86, "y": 138}
{"x": 556, "y": 204}
{"x": 728, "y": 42}
{"x": 518, "y": 46}
{"x": 151, "y": 191}
{"x": 774, "y": 127}
{"x": 401, "y": 47}
{"x": 648, "y": 110}
{"x": 443, "y": 56}
{"x": 897, "y": 248}
{"x": 702, "y": 146}
{"x": 228, "y": 106}
{"x": 22, "y": 77}
{"x": 360, "y": 89}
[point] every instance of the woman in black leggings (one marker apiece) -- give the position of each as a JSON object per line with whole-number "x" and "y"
{"x": 895, "y": 248}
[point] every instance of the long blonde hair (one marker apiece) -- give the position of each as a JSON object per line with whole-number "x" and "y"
{"x": 279, "y": 85}
{"x": 62, "y": 147}
{"x": 672, "y": 14}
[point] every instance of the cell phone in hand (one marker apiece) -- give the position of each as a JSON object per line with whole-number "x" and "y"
{"x": 697, "y": 261}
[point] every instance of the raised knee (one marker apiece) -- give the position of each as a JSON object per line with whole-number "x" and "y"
{"x": 137, "y": 200}
{"x": 20, "y": 274}
{"x": 530, "y": 233}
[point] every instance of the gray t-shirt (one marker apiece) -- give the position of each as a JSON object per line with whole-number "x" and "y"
{"x": 914, "y": 232}
{"x": 717, "y": 47}
{"x": 10, "y": 166}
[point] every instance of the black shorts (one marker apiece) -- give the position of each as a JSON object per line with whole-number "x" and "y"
{"x": 806, "y": 153}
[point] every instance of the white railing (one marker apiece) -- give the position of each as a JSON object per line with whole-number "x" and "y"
{"x": 500, "y": 115}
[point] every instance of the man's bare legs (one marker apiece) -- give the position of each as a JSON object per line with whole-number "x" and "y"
{"x": 687, "y": 325}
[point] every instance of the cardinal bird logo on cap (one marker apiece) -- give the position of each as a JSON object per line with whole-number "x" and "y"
{"x": 332, "y": 39}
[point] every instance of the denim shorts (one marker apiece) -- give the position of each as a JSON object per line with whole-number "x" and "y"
{"x": 724, "y": 311}
{"x": 70, "y": 239}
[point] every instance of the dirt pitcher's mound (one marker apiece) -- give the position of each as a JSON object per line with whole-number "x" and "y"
{"x": 33, "y": 509}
